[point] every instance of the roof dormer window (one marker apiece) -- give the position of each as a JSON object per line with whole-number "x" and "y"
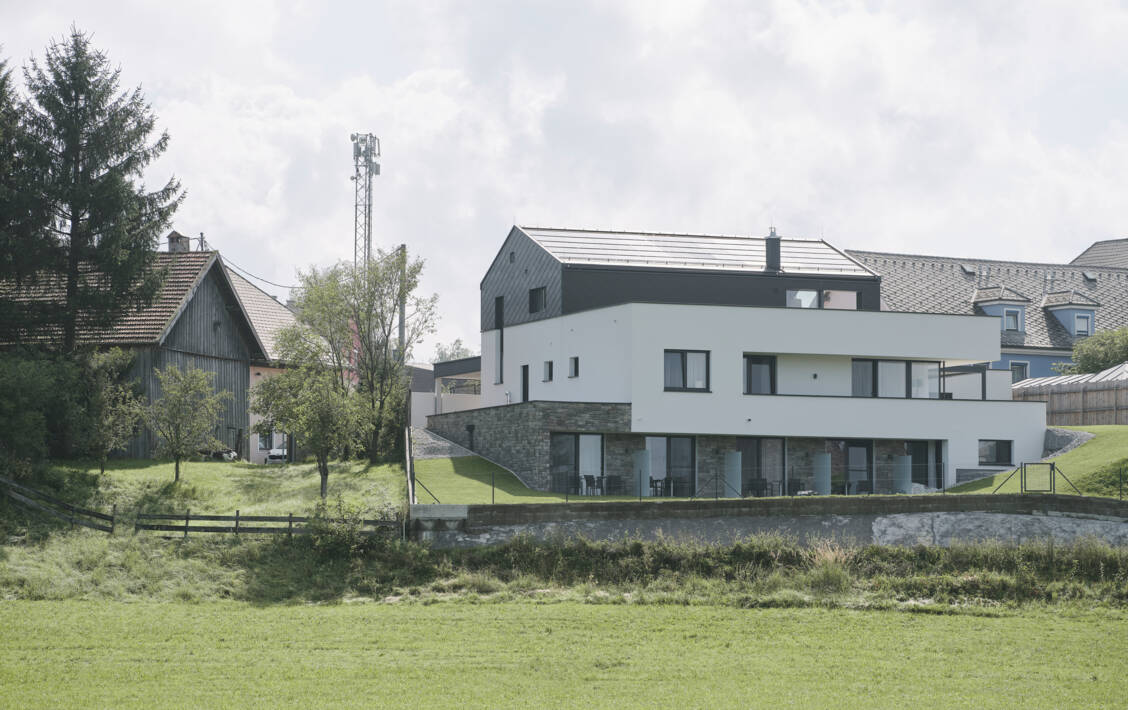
{"x": 1011, "y": 319}
{"x": 1082, "y": 325}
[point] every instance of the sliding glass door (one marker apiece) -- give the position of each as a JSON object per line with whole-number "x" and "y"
{"x": 672, "y": 466}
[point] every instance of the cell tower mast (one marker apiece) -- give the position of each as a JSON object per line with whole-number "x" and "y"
{"x": 366, "y": 151}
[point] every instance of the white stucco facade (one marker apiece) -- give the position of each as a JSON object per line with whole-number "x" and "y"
{"x": 621, "y": 350}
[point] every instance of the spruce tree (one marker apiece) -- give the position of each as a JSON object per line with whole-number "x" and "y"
{"x": 26, "y": 249}
{"x": 94, "y": 144}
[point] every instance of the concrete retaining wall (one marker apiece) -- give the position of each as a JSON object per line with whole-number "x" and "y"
{"x": 901, "y": 520}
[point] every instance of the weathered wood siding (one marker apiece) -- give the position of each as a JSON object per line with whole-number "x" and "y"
{"x": 209, "y": 336}
{"x": 1081, "y": 404}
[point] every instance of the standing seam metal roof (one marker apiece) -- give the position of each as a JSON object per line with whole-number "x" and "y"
{"x": 690, "y": 251}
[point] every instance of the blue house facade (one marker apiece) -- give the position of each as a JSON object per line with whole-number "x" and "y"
{"x": 1043, "y": 309}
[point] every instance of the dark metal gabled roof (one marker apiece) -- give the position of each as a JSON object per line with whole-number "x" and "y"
{"x": 690, "y": 251}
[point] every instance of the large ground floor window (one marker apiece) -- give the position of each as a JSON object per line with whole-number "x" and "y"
{"x": 672, "y": 466}
{"x": 577, "y": 464}
{"x": 761, "y": 468}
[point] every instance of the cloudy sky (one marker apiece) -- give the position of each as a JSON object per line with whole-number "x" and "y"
{"x": 991, "y": 129}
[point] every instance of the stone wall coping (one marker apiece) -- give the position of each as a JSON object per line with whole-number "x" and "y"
{"x": 486, "y": 515}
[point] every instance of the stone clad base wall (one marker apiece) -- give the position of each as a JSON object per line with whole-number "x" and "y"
{"x": 517, "y": 435}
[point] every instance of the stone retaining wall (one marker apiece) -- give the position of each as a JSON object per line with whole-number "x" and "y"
{"x": 517, "y": 435}
{"x": 927, "y": 519}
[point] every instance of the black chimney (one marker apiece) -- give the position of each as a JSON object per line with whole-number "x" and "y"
{"x": 772, "y": 253}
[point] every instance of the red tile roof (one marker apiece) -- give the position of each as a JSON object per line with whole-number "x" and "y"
{"x": 144, "y": 326}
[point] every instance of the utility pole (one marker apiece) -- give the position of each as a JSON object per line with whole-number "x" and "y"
{"x": 366, "y": 151}
{"x": 403, "y": 301}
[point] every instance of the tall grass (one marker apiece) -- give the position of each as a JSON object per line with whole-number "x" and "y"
{"x": 762, "y": 570}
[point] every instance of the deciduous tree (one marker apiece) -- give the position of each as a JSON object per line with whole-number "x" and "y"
{"x": 115, "y": 410}
{"x": 1099, "y": 351}
{"x": 308, "y": 402}
{"x": 186, "y": 415}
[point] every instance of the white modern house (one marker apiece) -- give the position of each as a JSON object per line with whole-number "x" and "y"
{"x": 666, "y": 364}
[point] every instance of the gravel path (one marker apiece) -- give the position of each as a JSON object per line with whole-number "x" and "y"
{"x": 426, "y": 445}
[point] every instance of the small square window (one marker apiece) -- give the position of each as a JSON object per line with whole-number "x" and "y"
{"x": 266, "y": 441}
{"x": 1019, "y": 371}
{"x": 573, "y": 367}
{"x": 536, "y": 299}
{"x": 1082, "y": 324}
{"x": 1010, "y": 320}
{"x": 512, "y": 257}
{"x": 548, "y": 370}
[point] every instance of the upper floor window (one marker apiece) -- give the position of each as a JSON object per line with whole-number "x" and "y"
{"x": 1083, "y": 324}
{"x": 536, "y": 299}
{"x": 574, "y": 366}
{"x": 759, "y": 374}
{"x": 1011, "y": 319}
{"x": 802, "y": 298}
{"x": 686, "y": 370}
{"x": 548, "y": 370}
{"x": 896, "y": 378}
{"x": 831, "y": 299}
{"x": 840, "y": 300}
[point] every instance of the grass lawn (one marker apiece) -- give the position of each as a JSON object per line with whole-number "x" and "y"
{"x": 466, "y": 479}
{"x": 221, "y": 488}
{"x": 1093, "y": 467}
{"x": 226, "y": 654}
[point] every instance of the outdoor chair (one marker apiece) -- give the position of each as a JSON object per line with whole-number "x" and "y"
{"x": 592, "y": 484}
{"x": 757, "y": 487}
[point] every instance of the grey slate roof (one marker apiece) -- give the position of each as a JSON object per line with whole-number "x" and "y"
{"x": 267, "y": 316}
{"x": 690, "y": 251}
{"x": 1110, "y": 252}
{"x": 940, "y": 284}
{"x": 1069, "y": 298}
{"x": 998, "y": 293}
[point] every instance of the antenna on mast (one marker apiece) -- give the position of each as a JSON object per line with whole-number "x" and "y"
{"x": 366, "y": 151}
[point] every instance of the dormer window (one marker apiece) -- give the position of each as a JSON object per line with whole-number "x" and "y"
{"x": 1082, "y": 324}
{"x": 1011, "y": 319}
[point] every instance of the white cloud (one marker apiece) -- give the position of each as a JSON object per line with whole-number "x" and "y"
{"x": 982, "y": 128}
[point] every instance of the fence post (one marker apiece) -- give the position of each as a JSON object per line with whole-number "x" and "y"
{"x": 492, "y": 500}
{"x": 187, "y": 517}
{"x": 236, "y": 521}
{"x": 113, "y": 518}
{"x": 290, "y": 530}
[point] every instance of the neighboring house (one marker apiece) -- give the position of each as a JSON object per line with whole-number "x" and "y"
{"x": 268, "y": 317}
{"x": 195, "y": 320}
{"x": 458, "y": 384}
{"x": 421, "y": 384}
{"x": 450, "y": 386}
{"x": 667, "y": 364}
{"x": 1042, "y": 309}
